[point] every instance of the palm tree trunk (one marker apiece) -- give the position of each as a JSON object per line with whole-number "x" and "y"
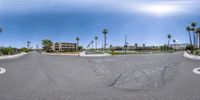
{"x": 77, "y": 46}
{"x": 96, "y": 44}
{"x": 190, "y": 38}
{"x": 174, "y": 46}
{"x": 105, "y": 41}
{"x": 194, "y": 40}
{"x": 168, "y": 44}
{"x": 199, "y": 40}
{"x": 92, "y": 45}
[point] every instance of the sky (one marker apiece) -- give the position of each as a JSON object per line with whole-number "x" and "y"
{"x": 143, "y": 21}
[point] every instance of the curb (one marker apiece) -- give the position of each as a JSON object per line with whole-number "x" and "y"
{"x": 187, "y": 55}
{"x": 82, "y": 54}
{"x": 12, "y": 56}
{"x": 60, "y": 54}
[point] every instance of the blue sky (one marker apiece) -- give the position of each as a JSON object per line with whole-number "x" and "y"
{"x": 143, "y": 21}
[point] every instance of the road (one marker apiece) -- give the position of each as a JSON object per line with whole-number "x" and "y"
{"x": 44, "y": 77}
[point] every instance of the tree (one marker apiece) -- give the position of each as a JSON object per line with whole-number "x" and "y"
{"x": 143, "y": 46}
{"x": 190, "y": 48}
{"x": 169, "y": 37}
{"x": 193, "y": 25}
{"x": 80, "y": 47}
{"x": 7, "y": 50}
{"x": 0, "y": 30}
{"x": 188, "y": 28}
{"x": 24, "y": 49}
{"x": 92, "y": 42}
{"x": 198, "y": 32}
{"x": 47, "y": 45}
{"x": 77, "y": 42}
{"x": 174, "y": 44}
{"x": 96, "y": 38}
{"x": 105, "y": 32}
{"x": 28, "y": 44}
{"x": 136, "y": 45}
{"x": 111, "y": 45}
{"x": 164, "y": 47}
{"x": 125, "y": 44}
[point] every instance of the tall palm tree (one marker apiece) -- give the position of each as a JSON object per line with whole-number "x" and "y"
{"x": 0, "y": 30}
{"x": 188, "y": 28}
{"x": 174, "y": 44}
{"x": 105, "y": 32}
{"x": 143, "y": 46}
{"x": 169, "y": 37}
{"x": 28, "y": 44}
{"x": 193, "y": 25}
{"x": 198, "y": 32}
{"x": 96, "y": 38}
{"x": 136, "y": 45}
{"x": 92, "y": 42}
{"x": 197, "y": 36}
{"x": 77, "y": 43}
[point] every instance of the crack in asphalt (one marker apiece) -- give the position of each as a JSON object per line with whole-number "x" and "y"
{"x": 115, "y": 80}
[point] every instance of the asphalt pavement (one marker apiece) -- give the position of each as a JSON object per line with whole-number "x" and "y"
{"x": 45, "y": 77}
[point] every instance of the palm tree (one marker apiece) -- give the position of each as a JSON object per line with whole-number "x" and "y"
{"x": 169, "y": 37}
{"x": 136, "y": 45}
{"x": 196, "y": 38}
{"x": 77, "y": 42}
{"x": 188, "y": 28}
{"x": 193, "y": 25}
{"x": 47, "y": 45}
{"x": 143, "y": 45}
{"x": 174, "y": 44}
{"x": 198, "y": 32}
{"x": 0, "y": 30}
{"x": 28, "y": 44}
{"x": 105, "y": 32}
{"x": 96, "y": 38}
{"x": 92, "y": 42}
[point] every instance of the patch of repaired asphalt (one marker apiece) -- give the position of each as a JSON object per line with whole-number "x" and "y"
{"x": 136, "y": 72}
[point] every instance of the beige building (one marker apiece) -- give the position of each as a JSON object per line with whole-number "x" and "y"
{"x": 179, "y": 46}
{"x": 63, "y": 46}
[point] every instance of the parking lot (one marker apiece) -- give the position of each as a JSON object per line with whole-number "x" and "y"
{"x": 164, "y": 76}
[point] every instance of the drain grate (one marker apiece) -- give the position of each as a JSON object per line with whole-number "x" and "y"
{"x": 196, "y": 70}
{"x": 2, "y": 70}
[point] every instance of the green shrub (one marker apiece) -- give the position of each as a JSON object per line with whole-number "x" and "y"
{"x": 7, "y": 51}
{"x": 197, "y": 52}
{"x": 24, "y": 49}
{"x": 190, "y": 47}
{"x": 80, "y": 48}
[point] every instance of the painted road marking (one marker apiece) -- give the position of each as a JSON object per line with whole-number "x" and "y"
{"x": 2, "y": 70}
{"x": 196, "y": 70}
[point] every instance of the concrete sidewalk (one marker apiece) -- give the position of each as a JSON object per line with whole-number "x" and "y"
{"x": 12, "y": 56}
{"x": 83, "y": 54}
{"x": 61, "y": 54}
{"x": 187, "y": 55}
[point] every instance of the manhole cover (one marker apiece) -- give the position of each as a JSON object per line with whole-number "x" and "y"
{"x": 2, "y": 70}
{"x": 196, "y": 70}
